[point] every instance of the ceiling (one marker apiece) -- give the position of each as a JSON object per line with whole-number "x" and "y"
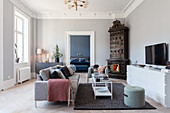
{"x": 57, "y": 8}
{"x": 40, "y": 6}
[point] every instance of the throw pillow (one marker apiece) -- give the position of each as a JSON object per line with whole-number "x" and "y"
{"x": 70, "y": 70}
{"x": 73, "y": 67}
{"x": 57, "y": 67}
{"x": 45, "y": 74}
{"x": 73, "y": 59}
{"x": 82, "y": 60}
{"x": 60, "y": 74}
{"x": 101, "y": 68}
{"x": 56, "y": 74}
{"x": 66, "y": 72}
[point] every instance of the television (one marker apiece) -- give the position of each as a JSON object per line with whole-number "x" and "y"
{"x": 156, "y": 54}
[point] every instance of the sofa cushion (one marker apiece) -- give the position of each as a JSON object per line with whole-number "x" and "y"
{"x": 76, "y": 76}
{"x": 101, "y": 68}
{"x": 73, "y": 67}
{"x": 73, "y": 59}
{"x": 66, "y": 72}
{"x": 60, "y": 74}
{"x": 56, "y": 74}
{"x": 39, "y": 78}
{"x": 70, "y": 70}
{"x": 45, "y": 74}
{"x": 74, "y": 80}
{"x": 82, "y": 59}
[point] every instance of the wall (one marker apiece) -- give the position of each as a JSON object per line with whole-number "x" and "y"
{"x": 80, "y": 45}
{"x": 8, "y": 46}
{"x": 149, "y": 24}
{"x": 33, "y": 45}
{"x": 52, "y": 32}
{"x": 1, "y": 43}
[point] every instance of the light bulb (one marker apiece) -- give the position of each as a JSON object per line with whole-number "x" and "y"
{"x": 86, "y": 2}
{"x": 69, "y": 6}
{"x": 66, "y": 2}
{"x": 85, "y": 6}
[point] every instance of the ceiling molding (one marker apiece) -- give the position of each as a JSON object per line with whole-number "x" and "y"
{"x": 132, "y": 5}
{"x": 78, "y": 15}
{"x": 129, "y": 8}
{"x": 23, "y": 8}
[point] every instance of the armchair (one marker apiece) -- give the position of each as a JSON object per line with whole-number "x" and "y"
{"x": 91, "y": 71}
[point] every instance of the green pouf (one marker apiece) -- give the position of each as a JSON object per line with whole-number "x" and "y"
{"x": 134, "y": 96}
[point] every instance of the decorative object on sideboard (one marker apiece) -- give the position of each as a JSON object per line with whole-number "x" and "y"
{"x": 142, "y": 65}
{"x": 56, "y": 53}
{"x": 76, "y": 3}
{"x": 16, "y": 53}
{"x": 168, "y": 65}
{"x": 39, "y": 53}
{"x": 118, "y": 50}
{"x": 47, "y": 58}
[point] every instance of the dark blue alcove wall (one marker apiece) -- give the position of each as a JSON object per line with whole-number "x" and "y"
{"x": 80, "y": 45}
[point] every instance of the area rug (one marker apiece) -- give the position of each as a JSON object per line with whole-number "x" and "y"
{"x": 85, "y": 99}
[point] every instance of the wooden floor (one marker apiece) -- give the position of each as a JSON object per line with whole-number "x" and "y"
{"x": 20, "y": 99}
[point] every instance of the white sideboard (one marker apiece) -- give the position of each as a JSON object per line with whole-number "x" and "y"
{"x": 155, "y": 83}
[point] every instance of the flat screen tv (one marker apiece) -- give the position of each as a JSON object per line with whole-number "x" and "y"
{"x": 156, "y": 54}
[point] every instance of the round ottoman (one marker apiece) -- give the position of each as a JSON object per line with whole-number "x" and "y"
{"x": 134, "y": 96}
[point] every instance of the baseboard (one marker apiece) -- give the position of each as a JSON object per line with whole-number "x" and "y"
{"x": 8, "y": 84}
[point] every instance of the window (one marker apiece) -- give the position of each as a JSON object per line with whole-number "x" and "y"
{"x": 21, "y": 37}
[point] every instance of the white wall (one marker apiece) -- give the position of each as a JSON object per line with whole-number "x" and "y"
{"x": 8, "y": 44}
{"x": 8, "y": 39}
{"x": 149, "y": 24}
{"x": 52, "y": 32}
{"x": 1, "y": 43}
{"x": 33, "y": 45}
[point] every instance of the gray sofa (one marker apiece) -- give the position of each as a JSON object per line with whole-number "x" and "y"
{"x": 41, "y": 86}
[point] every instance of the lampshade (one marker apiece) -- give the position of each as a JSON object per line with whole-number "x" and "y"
{"x": 39, "y": 51}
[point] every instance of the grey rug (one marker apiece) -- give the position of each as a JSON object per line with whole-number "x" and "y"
{"x": 85, "y": 99}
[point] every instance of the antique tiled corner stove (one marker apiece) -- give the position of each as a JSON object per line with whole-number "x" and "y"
{"x": 118, "y": 60}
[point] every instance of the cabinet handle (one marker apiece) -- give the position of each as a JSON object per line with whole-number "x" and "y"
{"x": 125, "y": 95}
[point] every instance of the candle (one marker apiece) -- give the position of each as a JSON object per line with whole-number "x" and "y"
{"x": 48, "y": 56}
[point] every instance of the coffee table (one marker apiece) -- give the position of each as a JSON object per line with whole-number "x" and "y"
{"x": 100, "y": 87}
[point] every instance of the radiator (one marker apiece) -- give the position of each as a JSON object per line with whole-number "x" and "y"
{"x": 23, "y": 74}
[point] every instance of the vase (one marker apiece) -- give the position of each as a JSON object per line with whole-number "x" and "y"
{"x": 17, "y": 60}
{"x": 56, "y": 60}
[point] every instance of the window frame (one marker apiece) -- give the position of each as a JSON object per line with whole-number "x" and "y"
{"x": 22, "y": 33}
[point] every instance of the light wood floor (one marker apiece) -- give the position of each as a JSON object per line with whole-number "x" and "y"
{"x": 20, "y": 99}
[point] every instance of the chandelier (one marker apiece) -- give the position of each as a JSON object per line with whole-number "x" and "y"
{"x": 76, "y": 3}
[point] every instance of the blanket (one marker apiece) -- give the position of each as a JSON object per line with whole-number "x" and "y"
{"x": 58, "y": 89}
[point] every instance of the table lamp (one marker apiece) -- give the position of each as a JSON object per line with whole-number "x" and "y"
{"x": 39, "y": 52}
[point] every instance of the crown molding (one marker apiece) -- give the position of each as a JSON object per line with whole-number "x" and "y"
{"x": 78, "y": 15}
{"x": 23, "y": 8}
{"x": 131, "y": 6}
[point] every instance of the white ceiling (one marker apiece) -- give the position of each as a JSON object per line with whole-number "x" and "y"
{"x": 40, "y": 6}
{"x": 57, "y": 8}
